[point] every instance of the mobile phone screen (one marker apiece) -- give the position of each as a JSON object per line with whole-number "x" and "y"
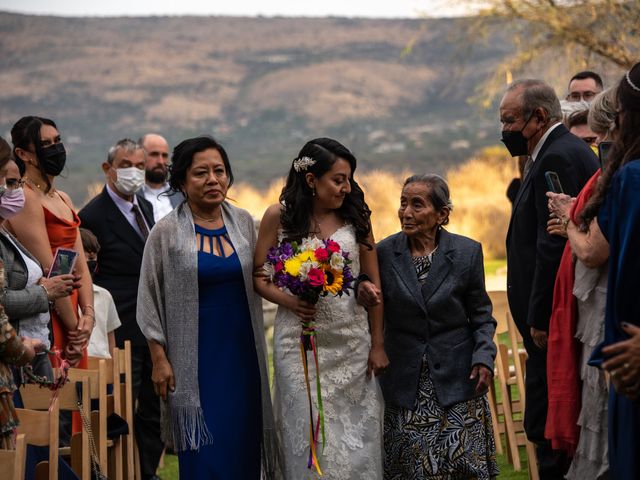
{"x": 63, "y": 262}
{"x": 553, "y": 182}
{"x": 603, "y": 152}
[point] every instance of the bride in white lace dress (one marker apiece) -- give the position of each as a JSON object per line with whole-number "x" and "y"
{"x": 322, "y": 199}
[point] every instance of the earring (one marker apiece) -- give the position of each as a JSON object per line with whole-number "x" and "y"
{"x": 313, "y": 191}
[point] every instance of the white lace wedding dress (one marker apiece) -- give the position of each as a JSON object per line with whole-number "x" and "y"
{"x": 353, "y": 404}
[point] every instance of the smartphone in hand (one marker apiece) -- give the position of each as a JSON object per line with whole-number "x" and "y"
{"x": 603, "y": 153}
{"x": 553, "y": 182}
{"x": 63, "y": 262}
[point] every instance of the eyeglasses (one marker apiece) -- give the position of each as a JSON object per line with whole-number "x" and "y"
{"x": 577, "y": 96}
{"x": 11, "y": 184}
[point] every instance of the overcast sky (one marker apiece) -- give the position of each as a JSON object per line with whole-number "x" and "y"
{"x": 346, "y": 8}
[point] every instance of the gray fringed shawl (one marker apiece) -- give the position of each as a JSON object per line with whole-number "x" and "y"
{"x": 168, "y": 314}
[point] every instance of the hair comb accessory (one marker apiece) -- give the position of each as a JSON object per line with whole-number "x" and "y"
{"x": 631, "y": 84}
{"x": 301, "y": 164}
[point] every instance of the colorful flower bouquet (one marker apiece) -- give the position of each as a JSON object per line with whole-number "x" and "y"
{"x": 309, "y": 270}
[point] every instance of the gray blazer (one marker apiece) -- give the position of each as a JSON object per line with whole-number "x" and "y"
{"x": 449, "y": 318}
{"x": 19, "y": 301}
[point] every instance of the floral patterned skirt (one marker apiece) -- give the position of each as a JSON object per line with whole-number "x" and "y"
{"x": 434, "y": 443}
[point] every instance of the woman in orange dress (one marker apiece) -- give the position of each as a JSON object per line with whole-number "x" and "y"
{"x": 47, "y": 222}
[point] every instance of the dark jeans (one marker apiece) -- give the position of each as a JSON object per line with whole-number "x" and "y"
{"x": 146, "y": 422}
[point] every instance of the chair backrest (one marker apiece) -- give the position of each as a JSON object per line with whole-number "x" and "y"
{"x": 123, "y": 397}
{"x": 12, "y": 462}
{"x": 97, "y": 391}
{"x": 36, "y": 398}
{"x": 40, "y": 428}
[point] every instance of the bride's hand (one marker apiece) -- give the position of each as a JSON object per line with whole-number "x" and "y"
{"x": 304, "y": 310}
{"x": 377, "y": 362}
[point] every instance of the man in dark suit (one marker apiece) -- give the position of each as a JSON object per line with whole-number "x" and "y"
{"x": 121, "y": 221}
{"x": 531, "y": 120}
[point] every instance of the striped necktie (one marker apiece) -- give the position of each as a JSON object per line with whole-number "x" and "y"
{"x": 142, "y": 225}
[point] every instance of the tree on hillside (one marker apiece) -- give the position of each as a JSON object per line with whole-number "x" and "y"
{"x": 580, "y": 33}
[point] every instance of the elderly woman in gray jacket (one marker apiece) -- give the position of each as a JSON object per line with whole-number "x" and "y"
{"x": 439, "y": 339}
{"x": 26, "y": 293}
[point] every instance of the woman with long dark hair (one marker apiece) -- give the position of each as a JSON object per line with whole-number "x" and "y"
{"x": 321, "y": 200}
{"x": 48, "y": 221}
{"x": 616, "y": 206}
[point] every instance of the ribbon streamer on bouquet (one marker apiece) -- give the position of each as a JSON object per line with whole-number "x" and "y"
{"x": 53, "y": 385}
{"x": 308, "y": 343}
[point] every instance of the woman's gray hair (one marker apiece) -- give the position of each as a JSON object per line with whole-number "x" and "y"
{"x": 602, "y": 113}
{"x": 438, "y": 193}
{"x": 538, "y": 94}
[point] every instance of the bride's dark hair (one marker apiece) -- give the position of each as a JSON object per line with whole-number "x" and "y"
{"x": 297, "y": 197}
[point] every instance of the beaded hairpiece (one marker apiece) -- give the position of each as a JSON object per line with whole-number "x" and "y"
{"x": 635, "y": 87}
{"x": 301, "y": 164}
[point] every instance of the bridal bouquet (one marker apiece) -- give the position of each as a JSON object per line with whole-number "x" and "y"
{"x": 311, "y": 269}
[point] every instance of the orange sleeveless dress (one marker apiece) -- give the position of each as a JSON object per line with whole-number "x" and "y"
{"x": 62, "y": 234}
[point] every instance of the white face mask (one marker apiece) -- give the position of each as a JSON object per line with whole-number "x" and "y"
{"x": 129, "y": 180}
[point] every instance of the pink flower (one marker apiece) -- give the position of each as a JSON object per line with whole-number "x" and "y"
{"x": 316, "y": 277}
{"x": 321, "y": 254}
{"x": 278, "y": 266}
{"x": 333, "y": 246}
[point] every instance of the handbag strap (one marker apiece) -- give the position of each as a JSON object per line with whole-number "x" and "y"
{"x": 93, "y": 453}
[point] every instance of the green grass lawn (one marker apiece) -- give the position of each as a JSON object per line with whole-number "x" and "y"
{"x": 492, "y": 266}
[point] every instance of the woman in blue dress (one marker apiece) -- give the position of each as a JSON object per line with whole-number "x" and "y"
{"x": 616, "y": 202}
{"x": 203, "y": 323}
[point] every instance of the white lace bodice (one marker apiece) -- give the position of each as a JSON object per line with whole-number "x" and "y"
{"x": 352, "y": 403}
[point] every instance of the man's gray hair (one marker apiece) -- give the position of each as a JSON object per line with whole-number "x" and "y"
{"x": 603, "y": 112}
{"x": 126, "y": 144}
{"x": 438, "y": 191}
{"x": 538, "y": 94}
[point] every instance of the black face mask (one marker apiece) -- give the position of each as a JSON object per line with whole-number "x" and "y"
{"x": 92, "y": 265}
{"x": 515, "y": 141}
{"x": 53, "y": 159}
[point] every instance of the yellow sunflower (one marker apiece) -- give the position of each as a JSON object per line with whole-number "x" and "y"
{"x": 333, "y": 281}
{"x": 292, "y": 266}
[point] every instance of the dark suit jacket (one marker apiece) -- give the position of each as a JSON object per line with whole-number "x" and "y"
{"x": 449, "y": 318}
{"x": 533, "y": 255}
{"x": 119, "y": 259}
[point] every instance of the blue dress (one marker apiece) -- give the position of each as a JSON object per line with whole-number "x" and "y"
{"x": 228, "y": 372}
{"x": 619, "y": 220}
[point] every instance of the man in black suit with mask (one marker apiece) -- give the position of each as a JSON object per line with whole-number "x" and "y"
{"x": 531, "y": 125}
{"x": 121, "y": 221}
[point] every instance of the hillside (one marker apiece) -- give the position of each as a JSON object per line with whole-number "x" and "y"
{"x": 261, "y": 85}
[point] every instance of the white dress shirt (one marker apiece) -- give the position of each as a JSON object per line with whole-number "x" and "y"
{"x": 161, "y": 203}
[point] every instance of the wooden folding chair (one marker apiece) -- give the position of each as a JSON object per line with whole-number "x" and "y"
{"x": 510, "y": 361}
{"x": 123, "y": 398}
{"x": 41, "y": 428}
{"x": 98, "y": 419}
{"x": 36, "y": 398}
{"x": 12, "y": 462}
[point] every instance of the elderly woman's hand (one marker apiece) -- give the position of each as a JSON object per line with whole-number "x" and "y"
{"x": 556, "y": 226}
{"x": 58, "y": 286}
{"x": 559, "y": 204}
{"x": 377, "y": 362}
{"x": 623, "y": 363}
{"x": 368, "y": 294}
{"x": 484, "y": 376}
{"x": 162, "y": 377}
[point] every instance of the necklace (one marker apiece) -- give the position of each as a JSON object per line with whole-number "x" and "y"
{"x": 41, "y": 188}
